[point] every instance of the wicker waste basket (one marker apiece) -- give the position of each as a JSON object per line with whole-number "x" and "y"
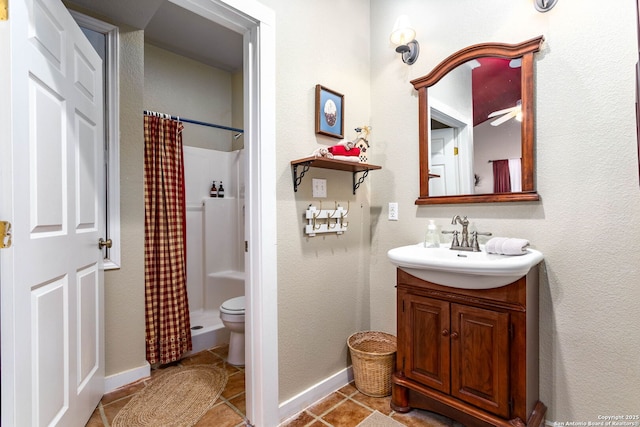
{"x": 373, "y": 355}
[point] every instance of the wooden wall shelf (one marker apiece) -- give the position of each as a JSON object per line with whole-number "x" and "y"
{"x": 322, "y": 162}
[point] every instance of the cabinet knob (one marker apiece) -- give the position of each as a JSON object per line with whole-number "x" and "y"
{"x": 454, "y": 335}
{"x": 445, "y": 333}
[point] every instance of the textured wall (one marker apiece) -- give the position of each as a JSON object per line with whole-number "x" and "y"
{"x": 587, "y": 176}
{"x": 124, "y": 288}
{"x": 186, "y": 88}
{"x": 322, "y": 281}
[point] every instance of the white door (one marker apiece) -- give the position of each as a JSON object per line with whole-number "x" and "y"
{"x": 443, "y": 163}
{"x": 51, "y": 178}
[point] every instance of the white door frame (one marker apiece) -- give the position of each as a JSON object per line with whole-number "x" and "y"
{"x": 257, "y": 23}
{"x": 463, "y": 140}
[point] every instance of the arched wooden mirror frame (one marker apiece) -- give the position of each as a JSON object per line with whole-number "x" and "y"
{"x": 524, "y": 50}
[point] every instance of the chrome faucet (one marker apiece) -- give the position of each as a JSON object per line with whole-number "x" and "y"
{"x": 464, "y": 222}
{"x": 463, "y": 244}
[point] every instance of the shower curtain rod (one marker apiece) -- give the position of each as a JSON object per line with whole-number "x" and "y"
{"x": 195, "y": 122}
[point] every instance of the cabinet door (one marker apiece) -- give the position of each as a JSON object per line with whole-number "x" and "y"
{"x": 427, "y": 353}
{"x": 480, "y": 358}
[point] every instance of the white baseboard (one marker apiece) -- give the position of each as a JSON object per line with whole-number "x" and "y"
{"x": 314, "y": 393}
{"x": 120, "y": 379}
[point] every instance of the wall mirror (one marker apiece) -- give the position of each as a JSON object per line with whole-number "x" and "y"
{"x": 476, "y": 124}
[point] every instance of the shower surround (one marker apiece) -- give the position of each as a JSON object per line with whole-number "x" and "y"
{"x": 215, "y": 240}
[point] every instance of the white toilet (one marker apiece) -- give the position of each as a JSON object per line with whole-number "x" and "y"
{"x": 232, "y": 316}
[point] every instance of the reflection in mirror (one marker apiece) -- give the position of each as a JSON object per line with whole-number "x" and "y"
{"x": 476, "y": 126}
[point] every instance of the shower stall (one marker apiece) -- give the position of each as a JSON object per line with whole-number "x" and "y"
{"x": 215, "y": 240}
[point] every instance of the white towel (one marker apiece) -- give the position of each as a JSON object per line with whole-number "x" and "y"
{"x": 353, "y": 159}
{"x": 515, "y": 246}
{"x": 507, "y": 246}
{"x": 494, "y": 245}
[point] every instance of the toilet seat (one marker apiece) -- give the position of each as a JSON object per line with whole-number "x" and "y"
{"x": 233, "y": 306}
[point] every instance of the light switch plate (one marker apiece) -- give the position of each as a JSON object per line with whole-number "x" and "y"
{"x": 319, "y": 188}
{"x": 393, "y": 211}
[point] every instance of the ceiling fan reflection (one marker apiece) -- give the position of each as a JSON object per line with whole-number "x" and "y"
{"x": 507, "y": 113}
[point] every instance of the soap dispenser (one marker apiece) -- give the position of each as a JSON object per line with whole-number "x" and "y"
{"x": 220, "y": 190}
{"x": 432, "y": 238}
{"x": 214, "y": 191}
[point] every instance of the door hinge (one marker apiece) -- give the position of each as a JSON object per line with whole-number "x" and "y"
{"x": 511, "y": 332}
{"x": 246, "y": 246}
{"x": 5, "y": 233}
{"x": 4, "y": 10}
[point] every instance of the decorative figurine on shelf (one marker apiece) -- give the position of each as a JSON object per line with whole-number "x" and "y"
{"x": 322, "y": 152}
{"x": 362, "y": 142}
{"x": 350, "y": 151}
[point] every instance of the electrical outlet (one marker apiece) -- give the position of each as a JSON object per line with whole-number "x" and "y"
{"x": 393, "y": 211}
{"x": 319, "y": 188}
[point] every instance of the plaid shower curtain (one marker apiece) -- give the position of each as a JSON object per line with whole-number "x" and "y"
{"x": 166, "y": 306}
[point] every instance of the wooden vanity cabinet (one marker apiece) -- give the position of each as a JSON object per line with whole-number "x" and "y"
{"x": 471, "y": 355}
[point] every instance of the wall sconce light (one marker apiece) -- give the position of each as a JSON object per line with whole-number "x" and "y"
{"x": 403, "y": 35}
{"x": 544, "y": 5}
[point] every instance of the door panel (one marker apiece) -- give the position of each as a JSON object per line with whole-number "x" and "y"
{"x": 50, "y": 338}
{"x": 443, "y": 163}
{"x": 52, "y": 276}
{"x": 47, "y": 148}
{"x": 428, "y": 360}
{"x": 480, "y": 358}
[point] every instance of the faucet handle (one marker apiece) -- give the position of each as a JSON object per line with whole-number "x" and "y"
{"x": 455, "y": 233}
{"x": 475, "y": 245}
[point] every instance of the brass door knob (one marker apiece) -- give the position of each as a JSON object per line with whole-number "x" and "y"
{"x": 102, "y": 243}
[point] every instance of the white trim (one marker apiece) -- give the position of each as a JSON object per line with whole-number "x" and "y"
{"x": 10, "y": 376}
{"x": 257, "y": 23}
{"x": 112, "y": 127}
{"x": 463, "y": 134}
{"x": 314, "y": 393}
{"x": 120, "y": 379}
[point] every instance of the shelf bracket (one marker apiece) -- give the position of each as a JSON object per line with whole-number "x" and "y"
{"x": 298, "y": 179}
{"x": 356, "y": 184}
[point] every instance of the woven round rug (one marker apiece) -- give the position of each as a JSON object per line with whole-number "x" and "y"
{"x": 178, "y": 397}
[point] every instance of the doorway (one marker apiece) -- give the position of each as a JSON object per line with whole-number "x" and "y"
{"x": 255, "y": 23}
{"x": 459, "y": 134}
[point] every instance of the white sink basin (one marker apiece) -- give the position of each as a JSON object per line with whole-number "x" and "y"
{"x": 463, "y": 269}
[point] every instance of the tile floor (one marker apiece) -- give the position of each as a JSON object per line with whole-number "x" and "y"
{"x": 228, "y": 410}
{"x": 346, "y": 407}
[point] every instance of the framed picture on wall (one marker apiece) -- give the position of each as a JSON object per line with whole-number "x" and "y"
{"x": 329, "y": 112}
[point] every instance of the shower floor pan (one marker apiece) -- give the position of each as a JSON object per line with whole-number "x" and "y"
{"x": 207, "y": 330}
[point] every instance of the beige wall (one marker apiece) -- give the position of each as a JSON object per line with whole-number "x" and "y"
{"x": 183, "y": 87}
{"x": 237, "y": 108}
{"x": 323, "y": 292}
{"x": 587, "y": 176}
{"x": 124, "y": 288}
